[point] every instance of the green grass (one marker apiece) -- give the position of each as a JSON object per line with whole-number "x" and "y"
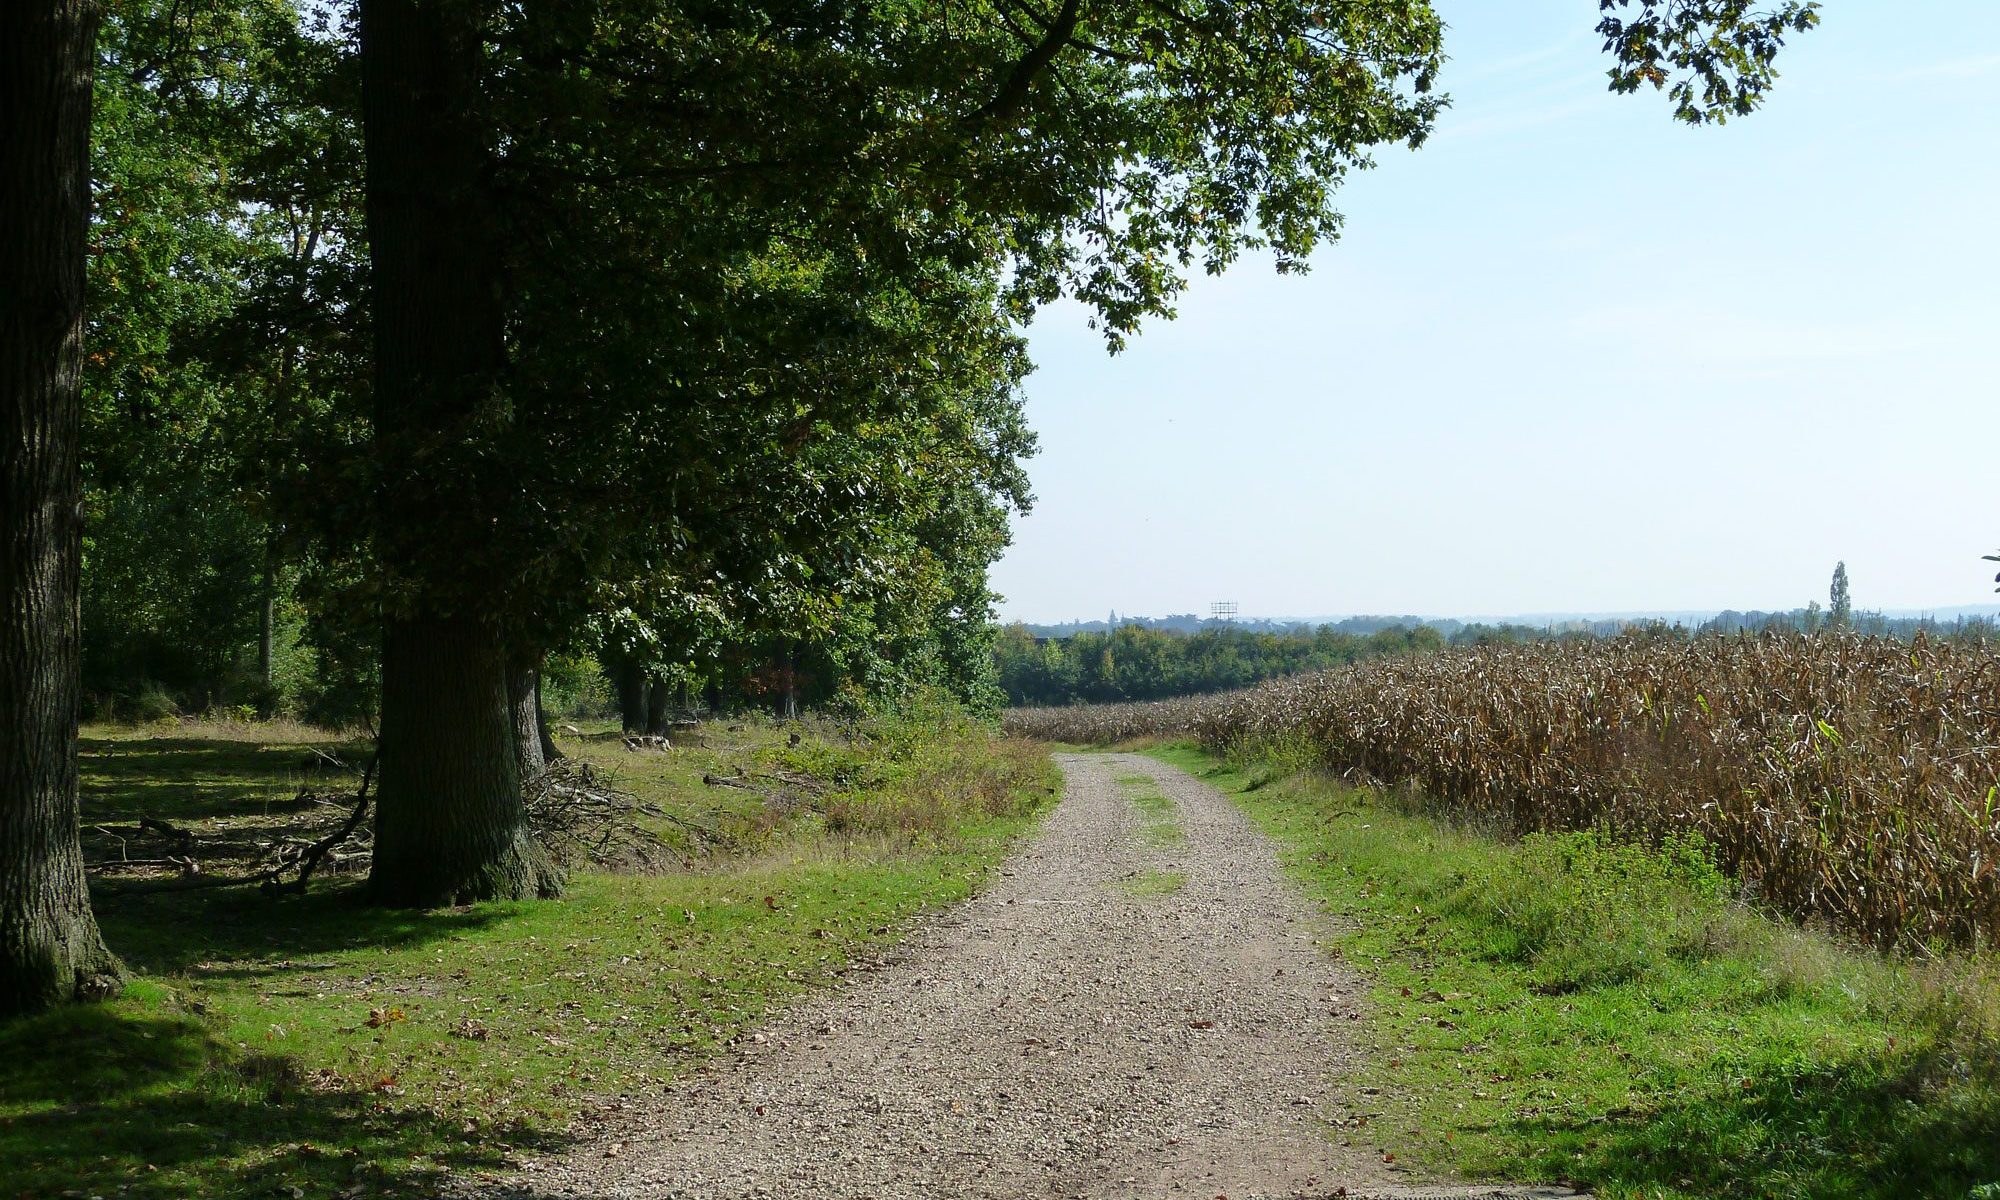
{"x": 1162, "y": 826}
{"x": 318, "y": 1044}
{"x": 1150, "y": 883}
{"x": 1560, "y": 1009}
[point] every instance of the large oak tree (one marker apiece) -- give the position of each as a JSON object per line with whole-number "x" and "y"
{"x": 50, "y": 947}
{"x": 576, "y": 208}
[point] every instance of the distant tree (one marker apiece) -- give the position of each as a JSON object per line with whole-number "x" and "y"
{"x": 1840, "y": 603}
{"x": 223, "y": 289}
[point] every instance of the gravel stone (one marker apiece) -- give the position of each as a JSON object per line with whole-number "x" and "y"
{"x": 1057, "y": 1037}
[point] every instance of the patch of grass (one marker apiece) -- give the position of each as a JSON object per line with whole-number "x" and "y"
{"x": 1564, "y": 1009}
{"x": 1163, "y": 818}
{"x": 318, "y": 1044}
{"x": 1150, "y": 883}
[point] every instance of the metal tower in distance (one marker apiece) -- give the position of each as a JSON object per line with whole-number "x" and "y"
{"x": 1222, "y": 610}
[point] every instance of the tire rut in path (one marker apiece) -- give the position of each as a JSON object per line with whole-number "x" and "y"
{"x": 1080, "y": 1029}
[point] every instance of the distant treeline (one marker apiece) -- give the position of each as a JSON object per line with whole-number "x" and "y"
{"x": 1161, "y": 658}
{"x": 1473, "y": 633}
{"x": 1192, "y": 623}
{"x": 1812, "y": 619}
{"x": 1136, "y": 663}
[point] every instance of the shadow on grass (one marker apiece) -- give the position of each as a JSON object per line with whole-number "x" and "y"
{"x": 1904, "y": 1127}
{"x": 182, "y": 779}
{"x": 240, "y": 932}
{"x": 162, "y": 927}
{"x": 139, "y": 1099}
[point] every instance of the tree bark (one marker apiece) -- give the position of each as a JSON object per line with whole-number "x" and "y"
{"x": 267, "y": 604}
{"x": 631, "y": 680}
{"x": 450, "y": 825}
{"x": 658, "y": 698}
{"x": 524, "y": 690}
{"x": 50, "y": 948}
{"x": 534, "y": 749}
{"x": 550, "y": 751}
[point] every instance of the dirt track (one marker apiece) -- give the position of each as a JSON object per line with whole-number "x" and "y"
{"x": 1083, "y": 1029}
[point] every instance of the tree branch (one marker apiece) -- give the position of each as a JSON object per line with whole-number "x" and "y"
{"x": 1013, "y": 91}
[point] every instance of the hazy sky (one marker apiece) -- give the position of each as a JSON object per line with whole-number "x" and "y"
{"x": 1572, "y": 355}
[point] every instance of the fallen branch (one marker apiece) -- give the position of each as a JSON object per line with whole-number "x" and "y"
{"x": 318, "y": 851}
{"x": 115, "y": 836}
{"x": 166, "y": 829}
{"x": 793, "y": 789}
{"x": 316, "y": 757}
{"x": 286, "y": 855}
{"x": 575, "y": 813}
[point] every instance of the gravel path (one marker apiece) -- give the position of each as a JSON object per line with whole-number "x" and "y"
{"x": 1082, "y": 1029}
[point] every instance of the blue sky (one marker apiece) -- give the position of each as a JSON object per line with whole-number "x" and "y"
{"x": 1573, "y": 356}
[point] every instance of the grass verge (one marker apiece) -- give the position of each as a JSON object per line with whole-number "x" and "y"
{"x": 313, "y": 1047}
{"x": 1565, "y": 1010}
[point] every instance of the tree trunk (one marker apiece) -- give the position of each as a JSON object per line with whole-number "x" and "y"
{"x": 50, "y": 947}
{"x": 450, "y": 826}
{"x": 631, "y": 680}
{"x": 266, "y": 621}
{"x": 550, "y": 751}
{"x": 534, "y": 749}
{"x": 658, "y": 698}
{"x": 524, "y": 691}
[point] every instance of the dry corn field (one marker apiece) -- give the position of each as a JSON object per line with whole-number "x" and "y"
{"x": 1839, "y": 777}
